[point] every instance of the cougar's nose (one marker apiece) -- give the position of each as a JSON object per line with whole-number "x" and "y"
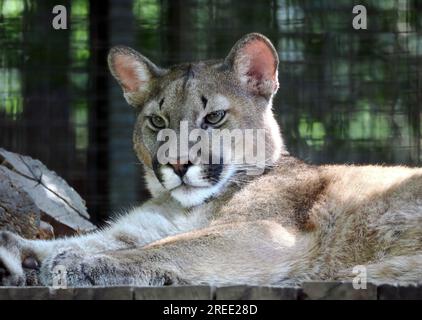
{"x": 181, "y": 168}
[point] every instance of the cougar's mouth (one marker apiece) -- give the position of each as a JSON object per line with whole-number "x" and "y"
{"x": 196, "y": 176}
{"x": 198, "y": 183}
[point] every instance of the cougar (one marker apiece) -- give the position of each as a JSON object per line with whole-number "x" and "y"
{"x": 217, "y": 223}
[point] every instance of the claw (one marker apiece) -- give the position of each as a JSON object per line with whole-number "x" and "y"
{"x": 30, "y": 263}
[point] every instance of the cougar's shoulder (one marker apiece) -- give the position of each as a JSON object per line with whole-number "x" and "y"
{"x": 286, "y": 193}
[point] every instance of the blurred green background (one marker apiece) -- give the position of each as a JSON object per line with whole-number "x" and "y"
{"x": 349, "y": 96}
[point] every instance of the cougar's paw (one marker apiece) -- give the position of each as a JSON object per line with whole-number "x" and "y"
{"x": 73, "y": 268}
{"x": 11, "y": 270}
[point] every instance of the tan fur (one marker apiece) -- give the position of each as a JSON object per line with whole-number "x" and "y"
{"x": 348, "y": 216}
{"x": 293, "y": 222}
{"x": 337, "y": 216}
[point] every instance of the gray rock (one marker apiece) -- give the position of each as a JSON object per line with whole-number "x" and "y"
{"x": 331, "y": 290}
{"x": 257, "y": 293}
{"x": 18, "y": 212}
{"x": 174, "y": 293}
{"x": 59, "y": 204}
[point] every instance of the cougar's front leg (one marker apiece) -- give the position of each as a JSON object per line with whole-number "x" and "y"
{"x": 126, "y": 267}
{"x": 139, "y": 227}
{"x": 21, "y": 259}
{"x": 32, "y": 262}
{"x": 216, "y": 255}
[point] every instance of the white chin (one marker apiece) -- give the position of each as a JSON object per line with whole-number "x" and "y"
{"x": 193, "y": 196}
{"x": 196, "y": 191}
{"x": 189, "y": 196}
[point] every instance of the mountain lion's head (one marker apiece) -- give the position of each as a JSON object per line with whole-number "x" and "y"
{"x": 234, "y": 93}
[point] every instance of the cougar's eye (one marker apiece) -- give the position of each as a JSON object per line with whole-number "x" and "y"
{"x": 215, "y": 117}
{"x": 157, "y": 122}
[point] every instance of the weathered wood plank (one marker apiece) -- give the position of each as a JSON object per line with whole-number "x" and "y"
{"x": 334, "y": 290}
{"x": 174, "y": 293}
{"x": 257, "y": 293}
{"x": 329, "y": 290}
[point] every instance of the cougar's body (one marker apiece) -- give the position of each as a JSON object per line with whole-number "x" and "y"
{"x": 217, "y": 223}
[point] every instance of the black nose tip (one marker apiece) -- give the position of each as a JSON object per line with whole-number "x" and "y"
{"x": 181, "y": 168}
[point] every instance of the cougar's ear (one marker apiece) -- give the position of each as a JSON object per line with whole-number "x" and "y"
{"x": 134, "y": 72}
{"x": 254, "y": 61}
